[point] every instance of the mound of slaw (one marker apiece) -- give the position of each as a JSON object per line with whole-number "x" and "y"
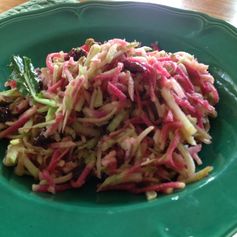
{"x": 132, "y": 116}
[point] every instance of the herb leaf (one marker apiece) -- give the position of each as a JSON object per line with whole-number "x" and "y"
{"x": 24, "y": 74}
{"x": 27, "y": 80}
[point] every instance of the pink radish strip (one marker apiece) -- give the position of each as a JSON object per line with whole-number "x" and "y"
{"x": 120, "y": 86}
{"x": 146, "y": 120}
{"x": 58, "y": 84}
{"x": 109, "y": 162}
{"x": 85, "y": 47}
{"x": 121, "y": 42}
{"x": 184, "y": 80}
{"x": 164, "y": 59}
{"x": 111, "y": 75}
{"x": 184, "y": 104}
{"x": 206, "y": 86}
{"x": 49, "y": 60}
{"x": 82, "y": 178}
{"x": 57, "y": 155}
{"x": 136, "y": 120}
{"x": 44, "y": 175}
{"x": 26, "y": 116}
{"x": 54, "y": 126}
{"x": 167, "y": 127}
{"x": 113, "y": 90}
{"x": 198, "y": 99}
{"x": 161, "y": 70}
{"x": 169, "y": 117}
{"x": 40, "y": 188}
{"x": 179, "y": 161}
{"x": 194, "y": 153}
{"x": 171, "y": 148}
{"x": 162, "y": 172}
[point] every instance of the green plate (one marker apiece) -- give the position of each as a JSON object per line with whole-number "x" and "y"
{"x": 205, "y": 209}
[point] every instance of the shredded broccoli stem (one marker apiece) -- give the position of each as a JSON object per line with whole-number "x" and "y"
{"x": 116, "y": 121}
{"x": 199, "y": 175}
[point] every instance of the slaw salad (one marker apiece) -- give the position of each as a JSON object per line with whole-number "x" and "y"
{"x": 132, "y": 116}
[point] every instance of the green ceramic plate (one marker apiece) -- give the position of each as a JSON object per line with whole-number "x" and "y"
{"x": 205, "y": 209}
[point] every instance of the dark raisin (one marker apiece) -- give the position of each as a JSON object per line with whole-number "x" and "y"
{"x": 4, "y": 103}
{"x": 41, "y": 85}
{"x": 38, "y": 71}
{"x": 39, "y": 78}
{"x": 41, "y": 140}
{"x": 5, "y": 114}
{"x": 134, "y": 67}
{"x": 66, "y": 58}
{"x": 76, "y": 54}
{"x": 76, "y": 172}
{"x": 104, "y": 176}
{"x": 39, "y": 118}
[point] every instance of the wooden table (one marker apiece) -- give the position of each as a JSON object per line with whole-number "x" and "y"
{"x": 223, "y": 9}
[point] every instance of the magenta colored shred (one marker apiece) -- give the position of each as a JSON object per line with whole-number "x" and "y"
{"x": 115, "y": 91}
{"x": 172, "y": 146}
{"x": 49, "y": 60}
{"x": 169, "y": 127}
{"x": 161, "y": 70}
{"x": 169, "y": 117}
{"x": 184, "y": 80}
{"x": 164, "y": 59}
{"x": 26, "y": 116}
{"x": 110, "y": 75}
{"x": 56, "y": 157}
{"x": 84, "y": 174}
{"x": 45, "y": 174}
